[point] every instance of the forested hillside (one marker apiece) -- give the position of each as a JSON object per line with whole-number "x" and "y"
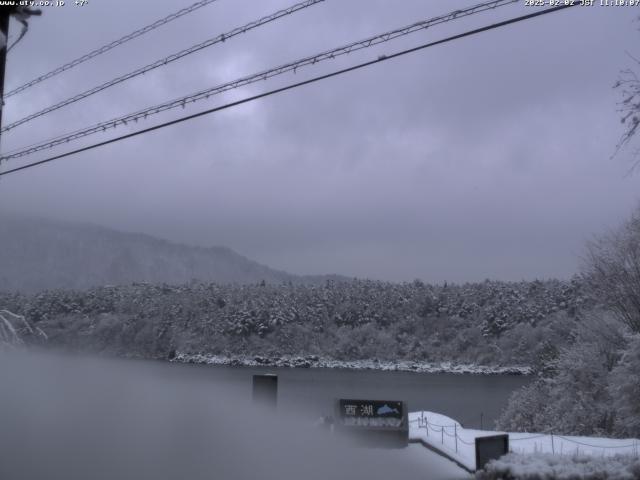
{"x": 40, "y": 254}
{"x": 489, "y": 323}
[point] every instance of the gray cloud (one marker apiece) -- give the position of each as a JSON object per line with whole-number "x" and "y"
{"x": 485, "y": 157}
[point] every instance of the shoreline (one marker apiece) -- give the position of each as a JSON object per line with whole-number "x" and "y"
{"x": 312, "y": 361}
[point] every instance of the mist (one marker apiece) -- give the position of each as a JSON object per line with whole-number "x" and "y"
{"x": 69, "y": 417}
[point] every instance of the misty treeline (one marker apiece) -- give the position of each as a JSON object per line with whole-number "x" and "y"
{"x": 488, "y": 323}
{"x": 592, "y": 387}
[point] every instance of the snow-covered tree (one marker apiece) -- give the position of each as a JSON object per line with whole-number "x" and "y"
{"x": 612, "y": 270}
{"x": 575, "y": 398}
{"x": 624, "y": 388}
{"x": 628, "y": 84}
{"x": 14, "y": 329}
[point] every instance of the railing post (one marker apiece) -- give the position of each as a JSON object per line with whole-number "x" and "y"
{"x": 455, "y": 432}
{"x": 553, "y": 450}
{"x": 442, "y": 435}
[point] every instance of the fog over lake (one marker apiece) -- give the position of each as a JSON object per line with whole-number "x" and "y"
{"x": 68, "y": 418}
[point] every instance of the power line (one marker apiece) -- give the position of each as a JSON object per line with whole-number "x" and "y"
{"x": 109, "y": 46}
{"x": 294, "y": 85}
{"x": 166, "y": 60}
{"x": 263, "y": 75}
{"x": 292, "y": 66}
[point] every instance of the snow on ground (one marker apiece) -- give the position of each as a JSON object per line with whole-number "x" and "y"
{"x": 431, "y": 465}
{"x": 561, "y": 467}
{"x": 312, "y": 361}
{"x": 570, "y": 445}
{"x": 451, "y": 438}
{"x": 447, "y": 436}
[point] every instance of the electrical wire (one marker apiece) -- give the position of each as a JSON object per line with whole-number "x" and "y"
{"x": 295, "y": 85}
{"x": 263, "y": 75}
{"x": 165, "y": 61}
{"x": 109, "y": 46}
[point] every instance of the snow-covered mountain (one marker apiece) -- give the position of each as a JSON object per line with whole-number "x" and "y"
{"x": 38, "y": 254}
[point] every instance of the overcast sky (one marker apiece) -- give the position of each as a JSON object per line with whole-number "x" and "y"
{"x": 487, "y": 157}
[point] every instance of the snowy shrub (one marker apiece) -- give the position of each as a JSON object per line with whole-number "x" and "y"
{"x": 575, "y": 399}
{"x": 525, "y": 408}
{"x": 624, "y": 388}
{"x": 593, "y": 390}
{"x": 558, "y": 467}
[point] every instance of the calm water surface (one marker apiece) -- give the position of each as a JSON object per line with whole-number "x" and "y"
{"x": 463, "y": 397}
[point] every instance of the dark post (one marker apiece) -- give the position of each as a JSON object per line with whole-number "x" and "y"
{"x": 5, "y": 14}
{"x": 265, "y": 390}
{"x": 4, "y": 28}
{"x": 455, "y": 433}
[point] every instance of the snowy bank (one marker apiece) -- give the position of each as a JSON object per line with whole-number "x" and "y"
{"x": 556, "y": 467}
{"x": 445, "y": 435}
{"x": 449, "y": 437}
{"x": 312, "y": 361}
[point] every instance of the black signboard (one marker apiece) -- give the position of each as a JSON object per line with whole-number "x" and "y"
{"x": 490, "y": 448}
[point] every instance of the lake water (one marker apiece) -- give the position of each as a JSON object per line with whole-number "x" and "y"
{"x": 66, "y": 417}
{"x": 463, "y": 397}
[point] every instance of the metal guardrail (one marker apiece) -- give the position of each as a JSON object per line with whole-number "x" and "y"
{"x": 423, "y": 422}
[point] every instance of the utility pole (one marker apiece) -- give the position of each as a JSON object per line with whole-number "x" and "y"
{"x": 5, "y": 13}
{"x": 21, "y": 14}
